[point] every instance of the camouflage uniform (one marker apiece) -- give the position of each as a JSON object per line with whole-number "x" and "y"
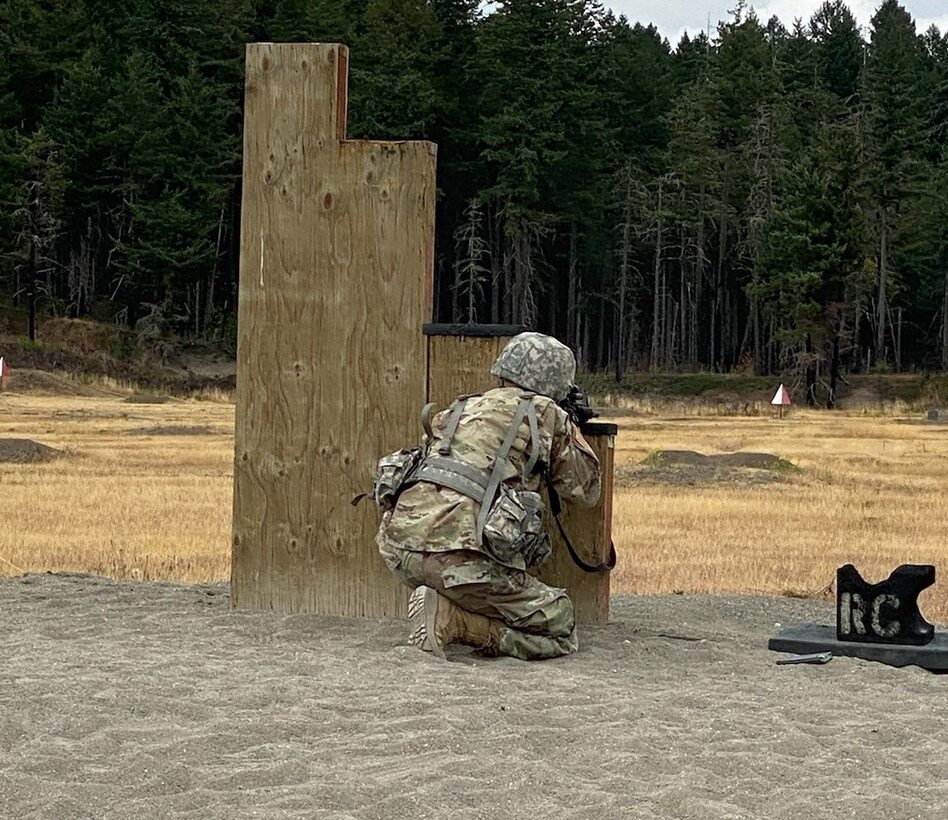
{"x": 430, "y": 537}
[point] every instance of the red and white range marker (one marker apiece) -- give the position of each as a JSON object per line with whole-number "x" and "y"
{"x": 781, "y": 397}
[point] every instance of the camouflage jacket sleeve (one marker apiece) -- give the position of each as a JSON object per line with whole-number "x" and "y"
{"x": 574, "y": 467}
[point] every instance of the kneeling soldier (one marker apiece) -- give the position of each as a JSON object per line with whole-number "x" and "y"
{"x": 466, "y": 523}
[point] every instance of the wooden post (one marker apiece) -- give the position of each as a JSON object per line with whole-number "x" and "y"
{"x": 337, "y": 242}
{"x": 589, "y": 530}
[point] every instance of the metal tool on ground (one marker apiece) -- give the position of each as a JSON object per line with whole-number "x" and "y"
{"x": 813, "y": 657}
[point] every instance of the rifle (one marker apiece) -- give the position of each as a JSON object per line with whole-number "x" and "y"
{"x": 576, "y": 405}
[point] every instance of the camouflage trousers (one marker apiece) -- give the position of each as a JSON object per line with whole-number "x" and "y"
{"x": 531, "y": 620}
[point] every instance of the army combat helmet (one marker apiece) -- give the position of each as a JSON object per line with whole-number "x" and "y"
{"x": 537, "y": 363}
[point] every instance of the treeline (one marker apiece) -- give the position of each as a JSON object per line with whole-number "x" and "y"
{"x": 766, "y": 199}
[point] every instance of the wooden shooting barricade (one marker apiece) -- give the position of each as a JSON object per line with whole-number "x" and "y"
{"x": 337, "y": 243}
{"x": 336, "y": 274}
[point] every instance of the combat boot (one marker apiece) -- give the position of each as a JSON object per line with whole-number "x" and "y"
{"x": 437, "y": 622}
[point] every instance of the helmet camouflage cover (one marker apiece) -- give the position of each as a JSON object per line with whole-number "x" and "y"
{"x": 538, "y": 363}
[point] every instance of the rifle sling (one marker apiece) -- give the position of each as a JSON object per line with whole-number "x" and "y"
{"x": 606, "y": 566}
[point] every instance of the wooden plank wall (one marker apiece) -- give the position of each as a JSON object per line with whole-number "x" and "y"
{"x": 461, "y": 364}
{"x": 337, "y": 245}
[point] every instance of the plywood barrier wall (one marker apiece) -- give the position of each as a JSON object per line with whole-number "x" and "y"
{"x": 337, "y": 244}
{"x": 460, "y": 356}
{"x": 459, "y": 362}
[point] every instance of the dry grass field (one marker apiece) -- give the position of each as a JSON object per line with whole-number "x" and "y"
{"x": 867, "y": 490}
{"x": 144, "y": 490}
{"x": 141, "y": 491}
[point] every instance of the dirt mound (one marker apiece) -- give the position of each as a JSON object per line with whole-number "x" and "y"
{"x": 79, "y": 335}
{"x": 83, "y": 350}
{"x": 144, "y": 398}
{"x": 755, "y": 461}
{"x": 43, "y": 383}
{"x": 173, "y": 430}
{"x": 686, "y": 468}
{"x": 25, "y": 451}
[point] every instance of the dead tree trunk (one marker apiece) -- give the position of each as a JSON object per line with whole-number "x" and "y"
{"x": 717, "y": 303}
{"x": 898, "y": 345}
{"x": 601, "y": 346}
{"x": 834, "y": 363}
{"x": 944, "y": 326}
{"x": 583, "y": 325}
{"x": 699, "y": 274}
{"x": 658, "y": 294}
{"x": 31, "y": 292}
{"x": 682, "y": 297}
{"x": 624, "y": 251}
{"x": 496, "y": 267}
{"x": 572, "y": 324}
{"x": 881, "y": 305}
{"x": 810, "y": 372}
{"x": 856, "y": 359}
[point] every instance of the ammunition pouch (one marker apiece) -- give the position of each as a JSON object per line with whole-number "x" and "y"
{"x": 514, "y": 527}
{"x": 393, "y": 474}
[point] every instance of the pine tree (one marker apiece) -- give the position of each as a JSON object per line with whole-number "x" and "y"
{"x": 813, "y": 265}
{"x": 394, "y": 90}
{"x": 839, "y": 49}
{"x": 39, "y": 220}
{"x": 894, "y": 100}
{"x": 525, "y": 64}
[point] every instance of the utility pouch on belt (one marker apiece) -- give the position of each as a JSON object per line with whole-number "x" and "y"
{"x": 393, "y": 472}
{"x": 514, "y": 527}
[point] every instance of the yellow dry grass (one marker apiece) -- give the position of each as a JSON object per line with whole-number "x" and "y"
{"x": 126, "y": 500}
{"x": 871, "y": 491}
{"x": 129, "y": 502}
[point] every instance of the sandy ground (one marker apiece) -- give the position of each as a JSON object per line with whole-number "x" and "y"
{"x": 134, "y": 700}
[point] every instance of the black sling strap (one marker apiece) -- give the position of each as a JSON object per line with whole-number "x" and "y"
{"x": 607, "y": 566}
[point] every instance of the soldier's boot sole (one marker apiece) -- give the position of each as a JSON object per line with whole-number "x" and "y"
{"x": 422, "y": 611}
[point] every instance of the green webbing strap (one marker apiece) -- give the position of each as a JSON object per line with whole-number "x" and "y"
{"x": 426, "y": 412}
{"x": 497, "y": 470}
{"x": 455, "y": 475}
{"x": 444, "y": 448}
{"x": 534, "y": 442}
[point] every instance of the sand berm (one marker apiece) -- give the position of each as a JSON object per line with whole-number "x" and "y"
{"x": 146, "y": 700}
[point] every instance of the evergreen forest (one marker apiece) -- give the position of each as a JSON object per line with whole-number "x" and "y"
{"x": 766, "y": 197}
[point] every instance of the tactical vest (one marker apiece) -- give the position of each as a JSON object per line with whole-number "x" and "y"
{"x": 445, "y": 470}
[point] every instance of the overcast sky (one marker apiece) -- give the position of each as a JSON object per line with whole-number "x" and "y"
{"x": 672, "y": 17}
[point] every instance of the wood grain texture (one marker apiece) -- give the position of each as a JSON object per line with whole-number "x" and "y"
{"x": 461, "y": 364}
{"x": 336, "y": 249}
